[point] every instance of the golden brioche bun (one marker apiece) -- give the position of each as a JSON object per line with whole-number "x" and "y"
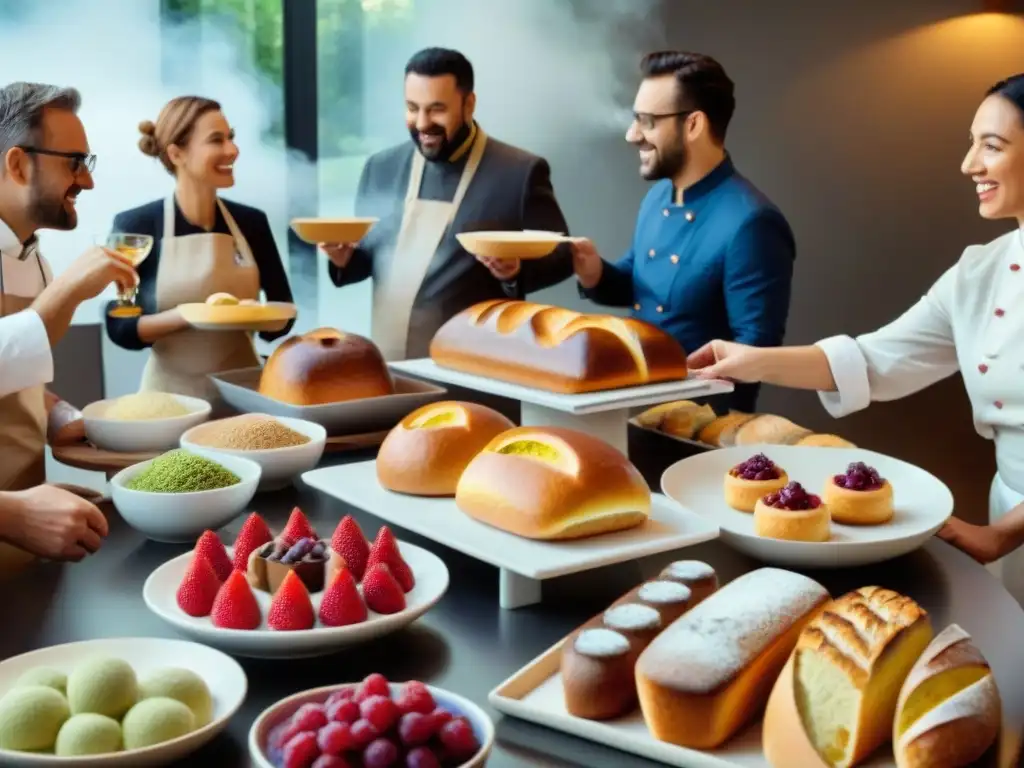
{"x": 426, "y": 452}
{"x": 221, "y": 300}
{"x": 325, "y": 366}
{"x": 553, "y": 483}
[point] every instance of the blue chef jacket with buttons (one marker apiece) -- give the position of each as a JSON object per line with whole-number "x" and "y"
{"x": 717, "y": 266}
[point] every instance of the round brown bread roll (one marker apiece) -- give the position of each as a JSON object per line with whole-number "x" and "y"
{"x": 597, "y": 674}
{"x": 425, "y": 454}
{"x": 325, "y": 366}
{"x": 553, "y": 483}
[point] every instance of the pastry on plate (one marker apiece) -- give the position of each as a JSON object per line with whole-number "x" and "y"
{"x": 792, "y": 514}
{"x": 597, "y": 674}
{"x": 751, "y": 480}
{"x": 681, "y": 418}
{"x": 771, "y": 429}
{"x": 721, "y": 433}
{"x": 859, "y": 496}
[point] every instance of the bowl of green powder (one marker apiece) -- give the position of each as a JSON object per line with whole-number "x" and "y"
{"x": 179, "y": 494}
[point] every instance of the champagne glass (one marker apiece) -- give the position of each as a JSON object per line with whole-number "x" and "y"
{"x": 135, "y": 248}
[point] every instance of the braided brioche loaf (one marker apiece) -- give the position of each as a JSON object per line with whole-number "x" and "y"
{"x": 556, "y": 349}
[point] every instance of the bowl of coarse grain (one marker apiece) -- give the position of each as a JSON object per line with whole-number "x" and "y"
{"x": 143, "y": 422}
{"x": 284, "y": 448}
{"x": 179, "y": 494}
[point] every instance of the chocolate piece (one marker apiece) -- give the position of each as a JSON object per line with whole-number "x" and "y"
{"x": 597, "y": 674}
{"x": 310, "y": 559}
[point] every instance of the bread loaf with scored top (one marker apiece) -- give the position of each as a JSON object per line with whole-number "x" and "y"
{"x": 556, "y": 349}
{"x": 840, "y": 690}
{"x": 711, "y": 671}
{"x": 949, "y": 709}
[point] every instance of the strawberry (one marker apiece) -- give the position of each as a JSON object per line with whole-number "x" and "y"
{"x": 236, "y": 606}
{"x": 254, "y": 534}
{"x": 298, "y": 527}
{"x": 382, "y": 592}
{"x": 198, "y": 588}
{"x": 385, "y": 551}
{"x": 341, "y": 603}
{"x": 349, "y": 542}
{"x": 291, "y": 609}
{"x": 211, "y": 547}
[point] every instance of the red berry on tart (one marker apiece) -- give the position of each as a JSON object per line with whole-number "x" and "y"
{"x": 859, "y": 496}
{"x": 793, "y": 514}
{"x": 754, "y": 478}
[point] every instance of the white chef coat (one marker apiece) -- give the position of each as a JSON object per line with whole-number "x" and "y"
{"x": 972, "y": 321}
{"x": 26, "y": 359}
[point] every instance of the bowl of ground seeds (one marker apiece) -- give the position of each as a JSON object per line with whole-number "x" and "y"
{"x": 143, "y": 422}
{"x": 179, "y": 494}
{"x": 284, "y": 448}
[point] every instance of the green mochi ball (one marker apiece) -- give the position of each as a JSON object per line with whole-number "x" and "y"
{"x": 154, "y": 721}
{"x": 31, "y": 717}
{"x": 46, "y": 676}
{"x": 183, "y": 685}
{"x": 88, "y": 734}
{"x": 103, "y": 686}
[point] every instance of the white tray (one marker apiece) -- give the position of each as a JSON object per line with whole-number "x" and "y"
{"x": 922, "y": 501}
{"x": 524, "y": 563}
{"x": 590, "y": 402}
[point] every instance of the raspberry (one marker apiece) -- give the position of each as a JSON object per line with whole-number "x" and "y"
{"x": 373, "y": 685}
{"x": 380, "y": 711}
{"x": 309, "y": 717}
{"x": 440, "y": 717}
{"x": 458, "y": 738}
{"x": 380, "y": 754}
{"x": 422, "y": 757}
{"x": 415, "y": 729}
{"x": 335, "y": 739}
{"x": 363, "y": 733}
{"x": 331, "y": 761}
{"x": 342, "y": 711}
{"x": 300, "y": 751}
{"x": 342, "y": 694}
{"x": 415, "y": 697}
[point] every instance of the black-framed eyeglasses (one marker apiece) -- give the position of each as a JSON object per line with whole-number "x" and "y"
{"x": 79, "y": 160}
{"x": 647, "y": 120}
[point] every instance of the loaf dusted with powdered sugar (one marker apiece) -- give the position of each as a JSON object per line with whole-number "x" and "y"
{"x": 706, "y": 675}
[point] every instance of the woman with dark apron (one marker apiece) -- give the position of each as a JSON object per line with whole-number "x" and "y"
{"x": 202, "y": 245}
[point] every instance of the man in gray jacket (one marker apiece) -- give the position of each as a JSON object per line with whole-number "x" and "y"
{"x": 450, "y": 178}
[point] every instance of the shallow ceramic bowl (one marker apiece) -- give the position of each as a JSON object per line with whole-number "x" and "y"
{"x": 532, "y": 244}
{"x": 182, "y": 517}
{"x": 222, "y": 674}
{"x": 282, "y": 710}
{"x": 280, "y": 465}
{"x": 339, "y": 230}
{"x": 142, "y": 435}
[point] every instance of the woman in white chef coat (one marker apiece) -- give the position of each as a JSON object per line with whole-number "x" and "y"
{"x": 202, "y": 244}
{"x": 971, "y": 320}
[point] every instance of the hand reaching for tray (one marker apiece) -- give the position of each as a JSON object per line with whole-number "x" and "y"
{"x": 51, "y": 522}
{"x": 985, "y": 543}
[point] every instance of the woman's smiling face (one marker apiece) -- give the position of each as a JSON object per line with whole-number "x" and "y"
{"x": 995, "y": 161}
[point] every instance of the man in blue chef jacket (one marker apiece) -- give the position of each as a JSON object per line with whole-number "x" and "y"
{"x": 711, "y": 256}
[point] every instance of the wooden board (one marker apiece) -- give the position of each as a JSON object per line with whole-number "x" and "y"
{"x": 87, "y": 456}
{"x": 343, "y": 443}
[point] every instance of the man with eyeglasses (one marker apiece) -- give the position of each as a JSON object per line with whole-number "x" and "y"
{"x": 44, "y": 164}
{"x": 711, "y": 256}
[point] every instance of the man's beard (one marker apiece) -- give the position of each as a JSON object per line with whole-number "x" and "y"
{"x": 47, "y": 210}
{"x": 666, "y": 165}
{"x": 446, "y": 148}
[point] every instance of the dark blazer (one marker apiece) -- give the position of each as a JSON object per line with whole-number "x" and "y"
{"x": 148, "y": 219}
{"x": 719, "y": 266}
{"x": 510, "y": 191}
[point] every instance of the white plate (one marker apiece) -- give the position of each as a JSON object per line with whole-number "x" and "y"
{"x": 141, "y": 435}
{"x": 280, "y": 314}
{"x": 161, "y": 588}
{"x": 922, "y": 501}
{"x": 222, "y": 674}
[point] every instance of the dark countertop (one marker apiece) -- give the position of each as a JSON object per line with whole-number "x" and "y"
{"x": 467, "y": 643}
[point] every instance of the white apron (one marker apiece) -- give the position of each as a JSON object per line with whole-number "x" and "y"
{"x": 1010, "y": 569}
{"x": 397, "y": 279}
{"x": 192, "y": 268}
{"x": 23, "y": 419}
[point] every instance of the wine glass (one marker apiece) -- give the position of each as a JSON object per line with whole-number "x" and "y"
{"x": 135, "y": 248}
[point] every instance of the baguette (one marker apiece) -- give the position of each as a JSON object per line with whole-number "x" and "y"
{"x": 556, "y": 349}
{"x": 949, "y": 710}
{"x": 597, "y": 667}
{"x": 844, "y": 680}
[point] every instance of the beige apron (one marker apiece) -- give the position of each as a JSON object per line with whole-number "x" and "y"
{"x": 397, "y": 280}
{"x": 22, "y": 436}
{"x": 191, "y": 268}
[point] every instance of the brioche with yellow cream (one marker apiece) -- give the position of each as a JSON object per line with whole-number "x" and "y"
{"x": 556, "y": 349}
{"x": 949, "y": 710}
{"x": 427, "y": 451}
{"x": 553, "y": 483}
{"x": 844, "y": 680}
{"x": 711, "y": 671}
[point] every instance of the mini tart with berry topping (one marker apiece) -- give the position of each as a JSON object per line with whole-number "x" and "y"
{"x": 792, "y": 514}
{"x": 859, "y": 496}
{"x": 751, "y": 480}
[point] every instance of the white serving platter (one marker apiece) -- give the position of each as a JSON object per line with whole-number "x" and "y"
{"x": 222, "y": 674}
{"x": 923, "y": 503}
{"x": 160, "y": 595}
{"x": 524, "y": 563}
